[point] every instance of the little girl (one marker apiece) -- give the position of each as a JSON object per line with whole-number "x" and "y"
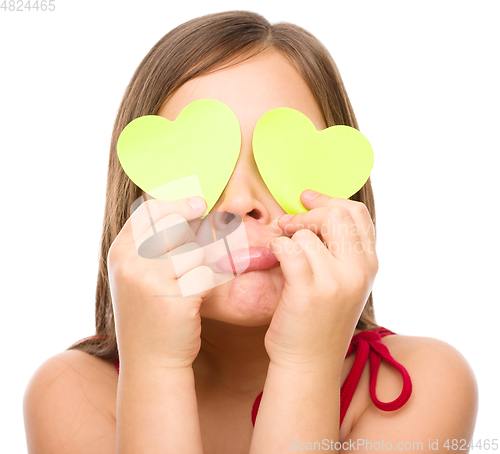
{"x": 285, "y": 356}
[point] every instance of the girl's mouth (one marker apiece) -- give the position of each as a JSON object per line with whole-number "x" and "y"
{"x": 244, "y": 260}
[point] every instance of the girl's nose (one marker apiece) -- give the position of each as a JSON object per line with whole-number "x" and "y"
{"x": 246, "y": 194}
{"x": 241, "y": 198}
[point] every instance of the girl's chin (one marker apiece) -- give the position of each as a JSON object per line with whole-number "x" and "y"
{"x": 249, "y": 299}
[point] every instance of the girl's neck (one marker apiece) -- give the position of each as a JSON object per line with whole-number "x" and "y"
{"x": 232, "y": 358}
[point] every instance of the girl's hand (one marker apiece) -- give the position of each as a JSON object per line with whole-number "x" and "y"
{"x": 326, "y": 285}
{"x": 156, "y": 323}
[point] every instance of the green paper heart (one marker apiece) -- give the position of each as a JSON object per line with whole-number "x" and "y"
{"x": 292, "y": 155}
{"x": 193, "y": 155}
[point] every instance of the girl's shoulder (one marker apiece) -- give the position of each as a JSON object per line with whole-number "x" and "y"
{"x": 435, "y": 367}
{"x": 430, "y": 363}
{"x": 424, "y": 356}
{"x": 69, "y": 400}
{"x": 444, "y": 395}
{"x": 72, "y": 364}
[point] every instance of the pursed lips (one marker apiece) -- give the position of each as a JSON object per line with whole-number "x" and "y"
{"x": 255, "y": 258}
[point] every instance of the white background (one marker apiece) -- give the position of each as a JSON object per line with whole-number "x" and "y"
{"x": 423, "y": 80}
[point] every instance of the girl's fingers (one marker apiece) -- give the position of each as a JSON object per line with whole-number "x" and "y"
{"x": 293, "y": 261}
{"x": 197, "y": 282}
{"x": 347, "y": 227}
{"x": 336, "y": 226}
{"x": 358, "y": 211}
{"x": 164, "y": 236}
{"x": 141, "y": 223}
{"x": 318, "y": 256}
{"x": 186, "y": 257}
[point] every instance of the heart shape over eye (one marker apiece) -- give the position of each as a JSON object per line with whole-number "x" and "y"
{"x": 292, "y": 156}
{"x": 193, "y": 155}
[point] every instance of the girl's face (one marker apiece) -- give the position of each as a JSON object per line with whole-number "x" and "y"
{"x": 250, "y": 89}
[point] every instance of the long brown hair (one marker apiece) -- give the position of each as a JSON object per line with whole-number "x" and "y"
{"x": 198, "y": 47}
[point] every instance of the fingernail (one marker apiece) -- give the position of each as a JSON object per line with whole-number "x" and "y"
{"x": 309, "y": 195}
{"x": 196, "y": 203}
{"x": 285, "y": 217}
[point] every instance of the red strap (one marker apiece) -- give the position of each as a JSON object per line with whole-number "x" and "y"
{"x": 255, "y": 407}
{"x": 368, "y": 345}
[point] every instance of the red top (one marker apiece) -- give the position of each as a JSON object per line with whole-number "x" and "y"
{"x": 368, "y": 345}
